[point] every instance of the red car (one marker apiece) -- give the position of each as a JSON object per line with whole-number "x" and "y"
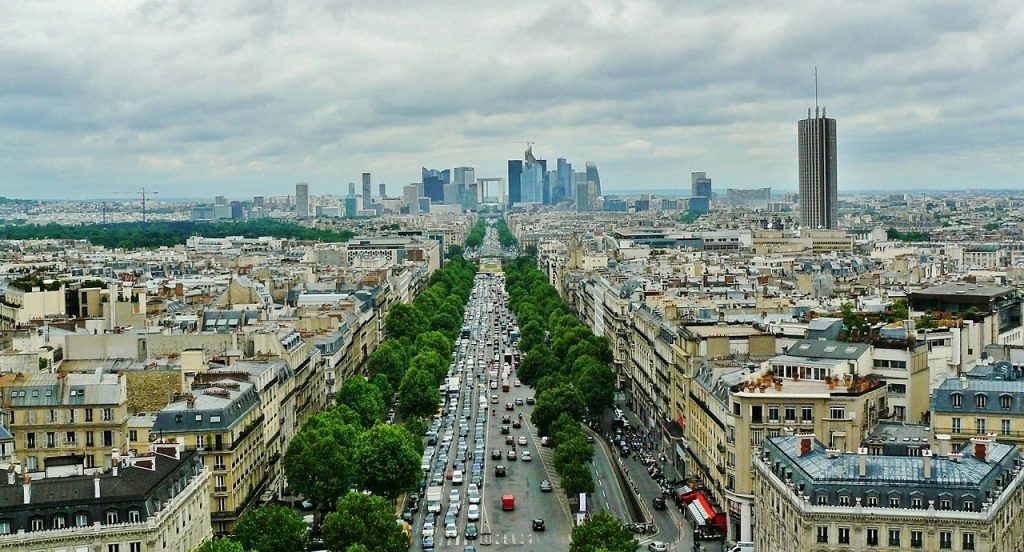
{"x": 448, "y": 475}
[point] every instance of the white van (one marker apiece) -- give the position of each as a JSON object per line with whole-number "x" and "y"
{"x": 743, "y": 546}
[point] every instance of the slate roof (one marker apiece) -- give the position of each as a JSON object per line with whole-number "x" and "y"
{"x": 216, "y": 408}
{"x": 824, "y": 349}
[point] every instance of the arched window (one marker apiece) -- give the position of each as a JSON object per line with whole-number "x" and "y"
{"x": 956, "y": 399}
{"x": 980, "y": 400}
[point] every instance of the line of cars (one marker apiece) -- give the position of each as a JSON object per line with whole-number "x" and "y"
{"x": 458, "y": 460}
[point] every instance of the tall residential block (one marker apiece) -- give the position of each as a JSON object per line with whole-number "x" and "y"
{"x": 302, "y": 200}
{"x": 700, "y": 185}
{"x": 817, "y": 165}
{"x": 366, "y": 190}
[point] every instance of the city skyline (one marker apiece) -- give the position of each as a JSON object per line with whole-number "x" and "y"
{"x": 920, "y": 108}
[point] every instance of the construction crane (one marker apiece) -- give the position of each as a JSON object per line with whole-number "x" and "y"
{"x": 529, "y": 144}
{"x": 141, "y": 192}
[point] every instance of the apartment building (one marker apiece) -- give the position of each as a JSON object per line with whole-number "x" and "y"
{"x": 731, "y": 411}
{"x": 809, "y": 497}
{"x": 222, "y": 422}
{"x": 53, "y": 415}
{"x": 990, "y": 398}
{"x": 156, "y": 502}
{"x": 28, "y": 299}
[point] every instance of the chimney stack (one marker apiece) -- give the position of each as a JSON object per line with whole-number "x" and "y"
{"x": 926, "y": 454}
{"x": 980, "y": 447}
{"x": 806, "y": 443}
{"x": 96, "y": 484}
{"x": 943, "y": 444}
{"x": 862, "y": 455}
{"x": 26, "y": 486}
{"x": 11, "y": 475}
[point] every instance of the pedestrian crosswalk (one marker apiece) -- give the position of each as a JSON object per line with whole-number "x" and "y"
{"x": 503, "y": 539}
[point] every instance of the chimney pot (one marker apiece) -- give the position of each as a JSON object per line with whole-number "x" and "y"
{"x": 926, "y": 454}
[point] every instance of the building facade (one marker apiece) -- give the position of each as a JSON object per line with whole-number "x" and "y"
{"x": 819, "y": 195}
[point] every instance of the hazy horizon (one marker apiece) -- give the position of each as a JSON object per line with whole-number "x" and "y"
{"x": 249, "y": 98}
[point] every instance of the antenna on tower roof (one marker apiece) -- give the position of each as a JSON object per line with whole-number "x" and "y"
{"x": 815, "y": 91}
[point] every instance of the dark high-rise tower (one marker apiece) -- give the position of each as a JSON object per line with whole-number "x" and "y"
{"x": 515, "y": 181}
{"x": 366, "y": 190}
{"x": 593, "y": 176}
{"x": 817, "y": 158}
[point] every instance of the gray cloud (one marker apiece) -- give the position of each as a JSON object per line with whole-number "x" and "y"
{"x": 249, "y": 97}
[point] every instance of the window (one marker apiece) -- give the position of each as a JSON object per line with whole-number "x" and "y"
{"x": 955, "y": 425}
{"x": 806, "y": 413}
{"x": 956, "y": 399}
{"x": 214, "y": 419}
{"x": 81, "y": 519}
{"x": 894, "y": 502}
{"x": 790, "y": 414}
{"x": 822, "y": 499}
{"x": 111, "y": 517}
{"x": 871, "y": 501}
{"x": 133, "y": 516}
{"x": 979, "y": 425}
{"x": 108, "y": 438}
{"x": 872, "y": 536}
{"x": 113, "y": 548}
{"x": 52, "y": 416}
{"x": 30, "y": 440}
{"x": 88, "y": 414}
{"x": 135, "y": 547}
{"x": 844, "y": 535}
{"x": 968, "y": 541}
{"x": 51, "y": 439}
{"x": 218, "y": 462}
{"x": 756, "y": 436}
{"x": 59, "y": 522}
{"x": 916, "y": 503}
{"x": 823, "y": 534}
{"x": 36, "y": 524}
{"x": 1005, "y": 402}
{"x": 916, "y": 538}
{"x": 222, "y": 504}
{"x": 71, "y": 415}
{"x": 894, "y": 537}
{"x": 70, "y": 437}
{"x": 945, "y": 540}
{"x": 945, "y": 504}
{"x": 837, "y": 412}
{"x": 756, "y": 414}
{"x": 133, "y": 435}
{"x": 108, "y": 414}
{"x": 968, "y": 505}
{"x": 844, "y": 500}
{"x": 980, "y": 400}
{"x": 1004, "y": 427}
{"x": 5, "y": 527}
{"x": 773, "y": 414}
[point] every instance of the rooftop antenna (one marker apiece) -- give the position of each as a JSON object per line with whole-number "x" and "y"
{"x": 815, "y": 91}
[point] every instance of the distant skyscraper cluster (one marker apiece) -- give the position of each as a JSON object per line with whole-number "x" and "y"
{"x": 530, "y": 182}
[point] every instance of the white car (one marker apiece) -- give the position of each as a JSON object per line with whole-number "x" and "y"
{"x": 473, "y": 513}
{"x": 526, "y": 456}
{"x": 474, "y": 494}
{"x": 457, "y": 477}
{"x": 522, "y": 440}
{"x": 451, "y": 531}
{"x": 428, "y": 528}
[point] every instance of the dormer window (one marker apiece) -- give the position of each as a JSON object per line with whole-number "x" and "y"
{"x": 1005, "y": 402}
{"x": 980, "y": 400}
{"x": 956, "y": 399}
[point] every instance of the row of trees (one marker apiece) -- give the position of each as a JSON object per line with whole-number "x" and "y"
{"x": 505, "y": 236}
{"x": 346, "y": 449}
{"x": 476, "y": 234}
{"x": 568, "y": 366}
{"x": 132, "y": 235}
{"x": 361, "y": 523}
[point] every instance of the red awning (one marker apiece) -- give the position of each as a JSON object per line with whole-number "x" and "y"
{"x": 702, "y": 510}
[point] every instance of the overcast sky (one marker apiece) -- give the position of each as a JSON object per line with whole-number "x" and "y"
{"x": 204, "y": 98}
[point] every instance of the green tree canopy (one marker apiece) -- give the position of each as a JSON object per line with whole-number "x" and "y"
{"x": 432, "y": 363}
{"x": 602, "y": 531}
{"x": 597, "y": 384}
{"x": 319, "y": 459}
{"x": 405, "y": 322}
{"x": 222, "y": 544}
{"x": 532, "y": 335}
{"x": 366, "y": 520}
{"x": 389, "y": 464}
{"x": 539, "y": 362}
{"x": 272, "y": 528}
{"x": 418, "y": 395}
{"x": 363, "y": 397}
{"x": 552, "y": 403}
{"x": 435, "y": 341}
{"x": 576, "y": 479}
{"x": 389, "y": 358}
